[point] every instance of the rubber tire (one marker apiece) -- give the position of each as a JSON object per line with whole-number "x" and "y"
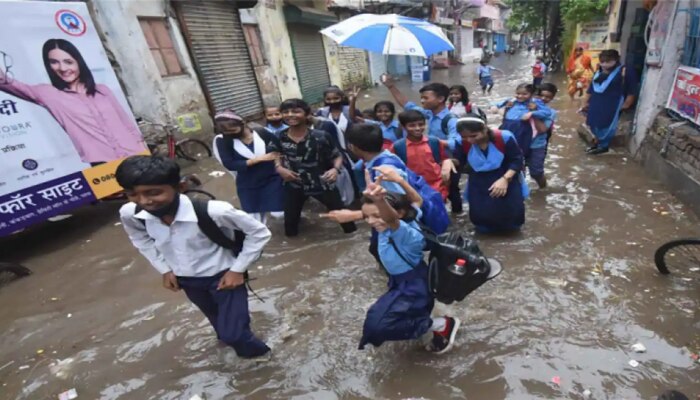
{"x": 661, "y": 252}
{"x": 182, "y": 154}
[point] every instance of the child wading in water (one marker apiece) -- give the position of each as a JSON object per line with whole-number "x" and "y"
{"x": 403, "y": 312}
{"x": 483, "y": 71}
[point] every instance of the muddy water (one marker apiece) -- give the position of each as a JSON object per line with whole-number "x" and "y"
{"x": 578, "y": 290}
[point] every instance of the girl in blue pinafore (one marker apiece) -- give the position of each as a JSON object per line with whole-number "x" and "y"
{"x": 518, "y": 116}
{"x": 611, "y": 92}
{"x": 403, "y": 312}
{"x": 496, "y": 188}
{"x": 243, "y": 150}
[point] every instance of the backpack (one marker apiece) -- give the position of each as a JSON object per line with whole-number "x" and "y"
{"x": 212, "y": 231}
{"x": 480, "y": 112}
{"x": 497, "y": 141}
{"x": 434, "y": 212}
{"x": 447, "y": 250}
{"x": 433, "y": 142}
{"x": 445, "y": 124}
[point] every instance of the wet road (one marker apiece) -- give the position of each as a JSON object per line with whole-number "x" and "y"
{"x": 578, "y": 290}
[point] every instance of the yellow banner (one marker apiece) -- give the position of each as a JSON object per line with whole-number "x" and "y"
{"x": 102, "y": 179}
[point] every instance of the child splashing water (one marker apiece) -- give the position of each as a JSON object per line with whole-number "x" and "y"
{"x": 403, "y": 312}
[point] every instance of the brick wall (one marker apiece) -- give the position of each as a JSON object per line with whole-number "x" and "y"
{"x": 683, "y": 148}
{"x": 353, "y": 65}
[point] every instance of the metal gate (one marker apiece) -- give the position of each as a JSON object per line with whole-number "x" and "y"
{"x": 310, "y": 60}
{"x": 218, "y": 47}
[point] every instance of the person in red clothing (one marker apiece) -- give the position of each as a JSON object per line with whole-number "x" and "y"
{"x": 425, "y": 155}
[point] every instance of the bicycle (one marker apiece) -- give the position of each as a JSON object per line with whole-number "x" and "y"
{"x": 188, "y": 149}
{"x": 678, "y": 253}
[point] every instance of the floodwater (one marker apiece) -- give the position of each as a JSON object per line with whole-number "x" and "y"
{"x": 579, "y": 288}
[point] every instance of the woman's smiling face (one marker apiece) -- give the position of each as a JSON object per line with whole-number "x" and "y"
{"x": 64, "y": 65}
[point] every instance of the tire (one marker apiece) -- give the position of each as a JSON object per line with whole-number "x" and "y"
{"x": 676, "y": 253}
{"x": 199, "y": 194}
{"x": 192, "y": 149}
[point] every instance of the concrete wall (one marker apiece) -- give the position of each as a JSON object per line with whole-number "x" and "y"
{"x": 354, "y": 69}
{"x": 151, "y": 96}
{"x": 278, "y": 48}
{"x": 264, "y": 74}
{"x": 658, "y": 81}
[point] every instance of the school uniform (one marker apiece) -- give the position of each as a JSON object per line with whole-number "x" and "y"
{"x": 259, "y": 186}
{"x": 390, "y": 133}
{"x": 523, "y": 131}
{"x": 183, "y": 249}
{"x": 489, "y": 214}
{"x": 460, "y": 110}
{"x": 276, "y": 130}
{"x": 403, "y": 312}
{"x": 435, "y": 124}
{"x": 310, "y": 158}
{"x": 608, "y": 93}
{"x": 484, "y": 73}
{"x": 538, "y": 147}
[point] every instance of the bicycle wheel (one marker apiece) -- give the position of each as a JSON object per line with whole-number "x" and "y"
{"x": 192, "y": 149}
{"x": 678, "y": 254}
{"x": 198, "y": 194}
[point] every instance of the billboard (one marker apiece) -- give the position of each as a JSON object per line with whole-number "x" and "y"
{"x": 65, "y": 124}
{"x": 685, "y": 94}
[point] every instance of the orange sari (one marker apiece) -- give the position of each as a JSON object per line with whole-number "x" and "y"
{"x": 580, "y": 73}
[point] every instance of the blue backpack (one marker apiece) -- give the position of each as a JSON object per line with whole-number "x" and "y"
{"x": 434, "y": 211}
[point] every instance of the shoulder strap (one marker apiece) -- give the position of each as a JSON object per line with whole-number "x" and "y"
{"x": 468, "y": 108}
{"x": 398, "y": 252}
{"x": 498, "y": 141}
{"x": 400, "y": 149}
{"x": 445, "y": 125}
{"x": 434, "y": 144}
{"x": 212, "y": 230}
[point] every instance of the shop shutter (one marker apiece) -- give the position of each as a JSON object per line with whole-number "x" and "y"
{"x": 217, "y": 43}
{"x": 310, "y": 59}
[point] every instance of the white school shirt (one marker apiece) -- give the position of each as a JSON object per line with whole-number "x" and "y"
{"x": 184, "y": 249}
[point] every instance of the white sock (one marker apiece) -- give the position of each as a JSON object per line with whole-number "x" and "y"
{"x": 439, "y": 324}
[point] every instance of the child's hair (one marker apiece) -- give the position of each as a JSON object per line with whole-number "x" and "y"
{"x": 548, "y": 87}
{"x": 530, "y": 88}
{"x": 440, "y": 89}
{"x": 147, "y": 170}
{"x": 334, "y": 89}
{"x": 471, "y": 123}
{"x": 399, "y": 202}
{"x": 409, "y": 116}
{"x": 609, "y": 55}
{"x": 267, "y": 108}
{"x": 366, "y": 137}
{"x": 370, "y": 112}
{"x": 295, "y": 103}
{"x": 386, "y": 104}
{"x": 463, "y": 92}
{"x": 539, "y": 58}
{"x": 483, "y": 62}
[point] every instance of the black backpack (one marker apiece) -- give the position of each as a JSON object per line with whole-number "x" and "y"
{"x": 445, "y": 251}
{"x": 212, "y": 231}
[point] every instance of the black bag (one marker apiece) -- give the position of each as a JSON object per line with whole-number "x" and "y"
{"x": 446, "y": 250}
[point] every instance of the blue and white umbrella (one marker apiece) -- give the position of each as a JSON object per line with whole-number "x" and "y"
{"x": 390, "y": 34}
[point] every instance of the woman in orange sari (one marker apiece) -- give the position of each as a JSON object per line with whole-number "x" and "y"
{"x": 580, "y": 72}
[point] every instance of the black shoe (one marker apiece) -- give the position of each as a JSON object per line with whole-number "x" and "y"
{"x": 443, "y": 341}
{"x": 592, "y": 148}
{"x": 598, "y": 150}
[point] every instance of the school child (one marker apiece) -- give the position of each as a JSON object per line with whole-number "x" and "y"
{"x": 383, "y": 116}
{"x": 273, "y": 118}
{"x": 244, "y": 151}
{"x": 518, "y": 115}
{"x": 538, "y": 71}
{"x": 169, "y": 230}
{"x": 612, "y": 91}
{"x": 538, "y": 148}
{"x": 309, "y": 164}
{"x": 441, "y": 124}
{"x": 337, "y": 111}
{"x": 403, "y": 312}
{"x": 483, "y": 71}
{"x": 368, "y": 113}
{"x": 424, "y": 155}
{"x": 459, "y": 103}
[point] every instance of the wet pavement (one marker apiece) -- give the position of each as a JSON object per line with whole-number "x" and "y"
{"x": 578, "y": 290}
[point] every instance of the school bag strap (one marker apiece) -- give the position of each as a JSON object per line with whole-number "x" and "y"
{"x": 398, "y": 252}
{"x": 401, "y": 151}
{"x": 445, "y": 123}
{"x": 498, "y": 141}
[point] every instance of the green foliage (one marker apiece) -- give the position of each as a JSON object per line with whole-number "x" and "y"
{"x": 583, "y": 10}
{"x": 530, "y": 13}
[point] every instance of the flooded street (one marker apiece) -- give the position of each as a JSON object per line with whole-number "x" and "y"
{"x": 579, "y": 288}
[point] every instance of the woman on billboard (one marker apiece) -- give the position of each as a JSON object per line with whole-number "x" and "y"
{"x": 97, "y": 124}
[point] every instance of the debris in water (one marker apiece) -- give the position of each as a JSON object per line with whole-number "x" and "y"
{"x": 695, "y": 357}
{"x": 632, "y": 244}
{"x": 587, "y": 394}
{"x": 639, "y": 348}
{"x": 59, "y": 217}
{"x": 260, "y": 267}
{"x": 7, "y": 364}
{"x": 650, "y": 191}
{"x": 54, "y": 299}
{"x": 40, "y": 351}
{"x": 617, "y": 187}
{"x": 23, "y": 367}
{"x": 664, "y": 212}
{"x": 117, "y": 224}
{"x": 695, "y": 269}
{"x": 556, "y": 282}
{"x": 633, "y": 363}
{"x": 69, "y": 315}
{"x": 556, "y": 380}
{"x": 217, "y": 174}
{"x": 68, "y": 395}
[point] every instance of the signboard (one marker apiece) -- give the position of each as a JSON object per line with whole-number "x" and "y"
{"x": 593, "y": 36}
{"x": 685, "y": 94}
{"x": 64, "y": 122}
{"x": 662, "y": 16}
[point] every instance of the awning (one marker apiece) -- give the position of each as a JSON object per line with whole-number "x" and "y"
{"x": 309, "y": 16}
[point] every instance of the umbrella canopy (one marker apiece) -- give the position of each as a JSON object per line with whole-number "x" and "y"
{"x": 390, "y": 34}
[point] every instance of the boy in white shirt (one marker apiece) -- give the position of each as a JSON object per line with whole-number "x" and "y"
{"x": 164, "y": 226}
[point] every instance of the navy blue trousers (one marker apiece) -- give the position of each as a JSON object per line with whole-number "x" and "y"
{"x": 227, "y": 310}
{"x": 403, "y": 312}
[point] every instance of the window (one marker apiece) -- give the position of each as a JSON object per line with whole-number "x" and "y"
{"x": 161, "y": 45}
{"x": 691, "y": 49}
{"x": 252, "y": 38}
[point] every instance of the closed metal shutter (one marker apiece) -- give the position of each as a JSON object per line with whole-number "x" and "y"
{"x": 310, "y": 60}
{"x": 217, "y": 43}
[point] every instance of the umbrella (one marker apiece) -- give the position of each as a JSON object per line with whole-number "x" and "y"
{"x": 390, "y": 34}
